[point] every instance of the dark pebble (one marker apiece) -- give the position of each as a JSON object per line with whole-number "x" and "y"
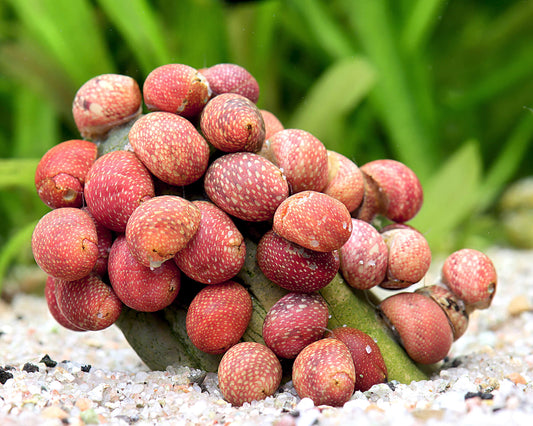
{"x": 451, "y": 362}
{"x": 30, "y": 368}
{"x": 86, "y": 368}
{"x": 5, "y": 375}
{"x": 482, "y": 395}
{"x": 49, "y": 362}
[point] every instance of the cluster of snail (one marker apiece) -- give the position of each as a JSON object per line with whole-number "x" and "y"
{"x": 155, "y": 216}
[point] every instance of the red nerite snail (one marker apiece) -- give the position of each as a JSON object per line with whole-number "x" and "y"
{"x": 215, "y": 238}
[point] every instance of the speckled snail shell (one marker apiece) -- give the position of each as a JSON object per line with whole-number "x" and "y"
{"x": 420, "y": 324}
{"x": 104, "y": 102}
{"x": 472, "y": 276}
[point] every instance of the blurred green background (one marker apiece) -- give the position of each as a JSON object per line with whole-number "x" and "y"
{"x": 443, "y": 86}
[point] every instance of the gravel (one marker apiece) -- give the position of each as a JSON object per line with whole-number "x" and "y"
{"x": 52, "y": 376}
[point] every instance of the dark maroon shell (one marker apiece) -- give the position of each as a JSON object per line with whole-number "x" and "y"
{"x": 295, "y": 321}
{"x": 293, "y": 267}
{"x": 370, "y": 368}
{"x": 51, "y": 301}
{"x": 231, "y": 78}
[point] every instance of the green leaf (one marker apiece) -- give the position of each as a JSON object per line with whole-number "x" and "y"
{"x": 508, "y": 161}
{"x": 35, "y": 139}
{"x": 68, "y": 30}
{"x": 27, "y": 66}
{"x": 337, "y": 92}
{"x": 138, "y": 24}
{"x": 450, "y": 196}
{"x": 20, "y": 239}
{"x": 252, "y": 39}
{"x": 18, "y": 172}
{"x": 412, "y": 142}
{"x": 326, "y": 30}
{"x": 515, "y": 71}
{"x": 422, "y": 19}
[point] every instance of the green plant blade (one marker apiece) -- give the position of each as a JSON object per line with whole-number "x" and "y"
{"x": 516, "y": 71}
{"x": 338, "y": 91}
{"x": 18, "y": 172}
{"x": 450, "y": 196}
{"x": 25, "y": 64}
{"x": 507, "y": 162}
{"x": 68, "y": 30}
{"x": 14, "y": 245}
{"x": 411, "y": 141}
{"x": 251, "y": 31}
{"x": 327, "y": 32}
{"x": 35, "y": 140}
{"x": 139, "y": 26}
{"x": 423, "y": 17}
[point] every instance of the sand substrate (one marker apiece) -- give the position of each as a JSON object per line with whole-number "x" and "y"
{"x": 52, "y": 376}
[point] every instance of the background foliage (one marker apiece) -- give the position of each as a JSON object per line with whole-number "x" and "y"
{"x": 444, "y": 86}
